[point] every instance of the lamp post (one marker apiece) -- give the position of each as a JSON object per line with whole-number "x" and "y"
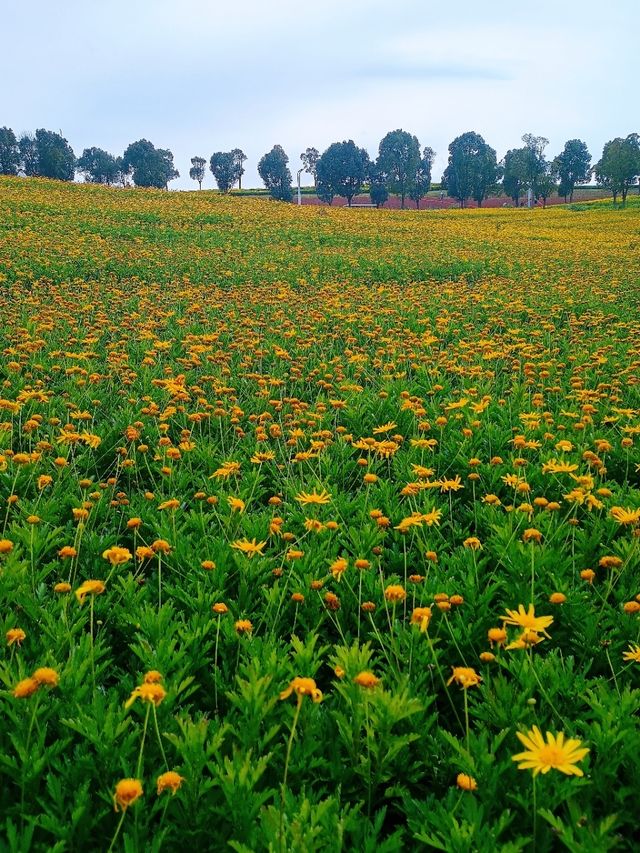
{"x": 300, "y": 171}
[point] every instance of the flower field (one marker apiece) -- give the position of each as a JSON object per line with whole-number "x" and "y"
{"x": 320, "y": 527}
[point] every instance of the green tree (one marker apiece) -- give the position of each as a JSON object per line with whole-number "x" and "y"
{"x": 98, "y": 166}
{"x": 239, "y": 158}
{"x": 223, "y": 169}
{"x": 514, "y": 178}
{"x": 378, "y": 192}
{"x": 309, "y": 159}
{"x": 342, "y": 169}
{"x": 197, "y": 170}
{"x": 536, "y": 165}
{"x": 150, "y": 166}
{"x": 9, "y": 152}
{"x": 422, "y": 183}
{"x": 48, "y": 155}
{"x": 572, "y": 166}
{"x": 619, "y": 166}
{"x": 547, "y": 183}
{"x": 28, "y": 155}
{"x": 472, "y": 170}
{"x": 399, "y": 158}
{"x": 275, "y": 174}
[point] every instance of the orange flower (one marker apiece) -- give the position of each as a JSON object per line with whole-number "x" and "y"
{"x": 25, "y": 688}
{"x": 302, "y": 687}
{"x": 367, "y": 680}
{"x": 169, "y": 781}
{"x": 46, "y": 677}
{"x": 116, "y": 555}
{"x": 89, "y": 588}
{"x": 15, "y": 635}
{"x": 126, "y": 793}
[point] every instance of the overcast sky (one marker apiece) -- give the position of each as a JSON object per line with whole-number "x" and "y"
{"x": 198, "y": 77}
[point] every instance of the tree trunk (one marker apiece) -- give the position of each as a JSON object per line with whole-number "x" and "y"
{"x": 402, "y": 201}
{"x": 240, "y": 182}
{"x": 199, "y": 185}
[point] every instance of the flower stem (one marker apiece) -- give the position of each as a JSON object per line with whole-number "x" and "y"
{"x": 286, "y": 768}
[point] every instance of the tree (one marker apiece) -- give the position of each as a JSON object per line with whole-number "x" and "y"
{"x": 342, "y": 169}
{"x": 572, "y": 167}
{"x": 378, "y": 192}
{"x": 535, "y": 164}
{"x": 223, "y": 170}
{"x": 547, "y": 183}
{"x": 98, "y": 166}
{"x": 275, "y": 174}
{"x": 9, "y": 152}
{"x": 47, "y": 155}
{"x": 422, "y": 183}
{"x": 197, "y": 170}
{"x": 514, "y": 179}
{"x": 619, "y": 165}
{"x": 28, "y": 155}
{"x": 399, "y": 158}
{"x": 472, "y": 170}
{"x": 309, "y": 159}
{"x": 150, "y": 166}
{"x": 239, "y": 157}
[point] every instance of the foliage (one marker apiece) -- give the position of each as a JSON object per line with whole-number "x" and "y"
{"x": 150, "y": 166}
{"x": 224, "y": 169}
{"x": 341, "y": 170}
{"x": 619, "y": 167}
{"x": 48, "y": 155}
{"x": 275, "y": 174}
{"x": 197, "y": 170}
{"x": 399, "y": 159}
{"x": 572, "y": 167}
{"x": 309, "y": 159}
{"x": 422, "y": 183}
{"x": 239, "y": 159}
{"x": 472, "y": 171}
{"x": 9, "y": 152}
{"x": 99, "y": 167}
{"x": 277, "y": 452}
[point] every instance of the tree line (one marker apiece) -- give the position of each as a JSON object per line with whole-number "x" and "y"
{"x": 402, "y": 166}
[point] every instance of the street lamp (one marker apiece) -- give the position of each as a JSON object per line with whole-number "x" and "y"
{"x": 300, "y": 171}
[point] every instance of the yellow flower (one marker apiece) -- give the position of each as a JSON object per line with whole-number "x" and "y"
{"x": 625, "y": 516}
{"x": 465, "y": 677}
{"x": 25, "y": 688}
{"x": 367, "y": 680}
{"x": 302, "y": 687}
{"x": 126, "y": 793}
{"x": 322, "y": 497}
{"x": 527, "y": 619}
{"x": 89, "y": 588}
{"x": 466, "y": 782}
{"x": 338, "y": 567}
{"x": 147, "y": 692}
{"x": 116, "y": 555}
{"x": 15, "y": 635}
{"x": 248, "y": 547}
{"x": 421, "y": 616}
{"x": 46, "y": 677}
{"x": 169, "y": 781}
{"x": 236, "y": 504}
{"x": 395, "y": 593}
{"x": 632, "y": 654}
{"x": 244, "y": 626}
{"x": 6, "y": 546}
{"x": 541, "y": 756}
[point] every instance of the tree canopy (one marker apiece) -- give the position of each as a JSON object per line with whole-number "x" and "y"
{"x": 422, "y": 182}
{"x": 275, "y": 173}
{"x": 151, "y": 166}
{"x": 197, "y": 170}
{"x": 572, "y": 166}
{"x": 9, "y": 152}
{"x": 309, "y": 159}
{"x": 99, "y": 167}
{"x": 619, "y": 166}
{"x": 399, "y": 158}
{"x": 223, "y": 169}
{"x": 342, "y": 169}
{"x": 472, "y": 170}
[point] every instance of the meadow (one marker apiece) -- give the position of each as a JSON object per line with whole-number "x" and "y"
{"x": 313, "y": 521}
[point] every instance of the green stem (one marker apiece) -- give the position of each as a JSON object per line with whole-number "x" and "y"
{"x": 117, "y": 832}
{"x": 286, "y": 769}
{"x": 155, "y": 720}
{"x": 144, "y": 734}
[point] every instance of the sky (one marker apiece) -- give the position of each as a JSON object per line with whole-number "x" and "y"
{"x": 198, "y": 77}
